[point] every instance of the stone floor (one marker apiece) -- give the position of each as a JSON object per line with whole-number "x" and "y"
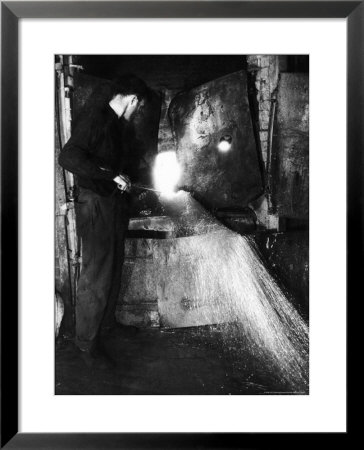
{"x": 191, "y": 361}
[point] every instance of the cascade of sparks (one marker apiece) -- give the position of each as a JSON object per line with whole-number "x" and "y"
{"x": 230, "y": 277}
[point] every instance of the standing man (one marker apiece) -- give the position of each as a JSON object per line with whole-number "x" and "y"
{"x": 99, "y": 153}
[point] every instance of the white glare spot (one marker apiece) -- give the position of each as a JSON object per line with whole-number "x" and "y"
{"x": 224, "y": 146}
{"x": 167, "y": 172}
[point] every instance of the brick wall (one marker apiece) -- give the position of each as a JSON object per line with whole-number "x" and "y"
{"x": 264, "y": 71}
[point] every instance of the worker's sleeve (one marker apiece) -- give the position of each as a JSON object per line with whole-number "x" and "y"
{"x": 77, "y": 156}
{"x": 145, "y": 173}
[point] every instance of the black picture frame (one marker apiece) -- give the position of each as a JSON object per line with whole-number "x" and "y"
{"x": 11, "y": 12}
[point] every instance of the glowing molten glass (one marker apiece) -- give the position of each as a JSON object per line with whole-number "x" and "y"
{"x": 167, "y": 172}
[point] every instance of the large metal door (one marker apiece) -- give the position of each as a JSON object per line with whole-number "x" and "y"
{"x": 200, "y": 118}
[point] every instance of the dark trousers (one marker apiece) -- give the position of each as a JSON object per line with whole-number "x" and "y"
{"x": 102, "y": 223}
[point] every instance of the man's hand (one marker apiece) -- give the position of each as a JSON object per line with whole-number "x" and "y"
{"x": 123, "y": 182}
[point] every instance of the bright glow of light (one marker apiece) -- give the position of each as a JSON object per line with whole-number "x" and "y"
{"x": 224, "y": 146}
{"x": 167, "y": 172}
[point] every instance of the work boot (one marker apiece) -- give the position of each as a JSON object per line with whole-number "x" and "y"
{"x": 97, "y": 358}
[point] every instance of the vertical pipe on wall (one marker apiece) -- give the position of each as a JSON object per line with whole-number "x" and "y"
{"x": 64, "y": 107}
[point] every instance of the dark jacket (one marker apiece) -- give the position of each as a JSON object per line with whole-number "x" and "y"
{"x": 101, "y": 147}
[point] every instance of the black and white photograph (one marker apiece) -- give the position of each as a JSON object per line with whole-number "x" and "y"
{"x": 181, "y": 224}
